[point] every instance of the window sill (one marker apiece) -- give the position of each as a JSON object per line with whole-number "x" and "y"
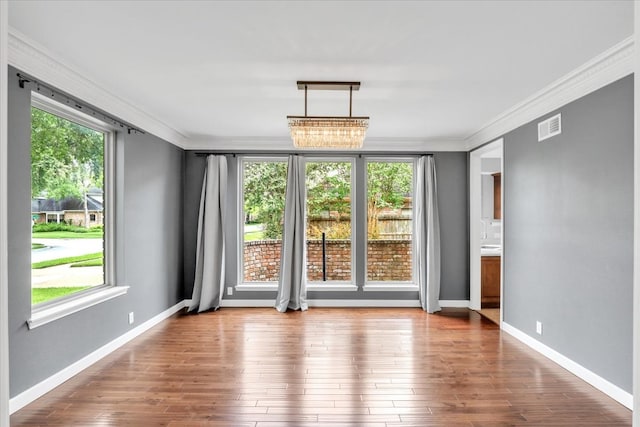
{"x": 391, "y": 287}
{"x": 43, "y": 315}
{"x": 341, "y": 287}
{"x": 257, "y": 287}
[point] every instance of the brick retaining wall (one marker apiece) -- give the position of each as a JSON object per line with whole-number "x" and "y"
{"x": 387, "y": 260}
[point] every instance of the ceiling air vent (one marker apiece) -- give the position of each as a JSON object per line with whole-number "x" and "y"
{"x": 550, "y": 127}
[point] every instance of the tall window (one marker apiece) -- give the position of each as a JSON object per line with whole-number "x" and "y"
{"x": 263, "y": 188}
{"x": 329, "y": 221}
{"x": 67, "y": 204}
{"x": 390, "y": 221}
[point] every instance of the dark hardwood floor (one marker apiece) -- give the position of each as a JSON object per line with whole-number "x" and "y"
{"x": 325, "y": 367}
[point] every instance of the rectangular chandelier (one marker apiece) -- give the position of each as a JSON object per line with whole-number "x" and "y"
{"x": 342, "y": 132}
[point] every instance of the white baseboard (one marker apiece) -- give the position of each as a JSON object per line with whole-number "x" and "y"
{"x": 248, "y": 303}
{"x": 580, "y": 371}
{"x": 355, "y": 303}
{"x": 454, "y": 303}
{"x": 55, "y": 380}
{"x": 343, "y": 303}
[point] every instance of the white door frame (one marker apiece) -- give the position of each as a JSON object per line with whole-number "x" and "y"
{"x": 4, "y": 282}
{"x": 475, "y": 213}
{"x": 636, "y": 217}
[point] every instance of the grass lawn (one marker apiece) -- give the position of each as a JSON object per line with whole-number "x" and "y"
{"x": 98, "y": 234}
{"x": 253, "y": 235}
{"x": 39, "y": 295}
{"x": 37, "y": 246}
{"x": 89, "y": 263}
{"x": 68, "y": 260}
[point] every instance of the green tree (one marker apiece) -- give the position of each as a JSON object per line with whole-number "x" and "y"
{"x": 67, "y": 159}
{"x": 388, "y": 184}
{"x": 329, "y": 189}
{"x": 264, "y": 193}
{"x": 63, "y": 155}
{"x": 328, "y": 185}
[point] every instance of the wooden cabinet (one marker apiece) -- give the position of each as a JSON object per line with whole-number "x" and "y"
{"x": 497, "y": 195}
{"x": 490, "y": 282}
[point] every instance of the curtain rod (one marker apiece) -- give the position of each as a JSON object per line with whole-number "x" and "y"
{"x": 310, "y": 153}
{"x": 74, "y": 102}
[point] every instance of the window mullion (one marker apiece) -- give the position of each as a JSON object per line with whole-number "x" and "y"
{"x": 360, "y": 218}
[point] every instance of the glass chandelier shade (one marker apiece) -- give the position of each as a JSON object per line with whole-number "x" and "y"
{"x": 328, "y": 132}
{"x": 347, "y": 132}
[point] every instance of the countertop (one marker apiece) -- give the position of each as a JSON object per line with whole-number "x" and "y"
{"x": 490, "y": 250}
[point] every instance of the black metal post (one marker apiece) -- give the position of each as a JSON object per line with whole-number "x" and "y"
{"x": 324, "y": 258}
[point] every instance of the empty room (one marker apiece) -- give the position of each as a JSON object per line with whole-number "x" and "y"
{"x": 327, "y": 213}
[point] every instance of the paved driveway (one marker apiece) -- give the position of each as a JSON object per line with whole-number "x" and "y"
{"x": 62, "y": 248}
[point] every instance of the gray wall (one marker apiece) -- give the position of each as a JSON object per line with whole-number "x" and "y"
{"x": 568, "y": 240}
{"x": 149, "y": 251}
{"x": 453, "y": 206}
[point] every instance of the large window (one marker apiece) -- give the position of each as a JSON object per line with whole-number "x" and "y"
{"x": 263, "y": 189}
{"x": 390, "y": 221}
{"x": 329, "y": 221}
{"x": 382, "y": 213}
{"x": 68, "y": 158}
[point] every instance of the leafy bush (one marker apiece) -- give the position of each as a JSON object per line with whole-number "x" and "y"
{"x": 52, "y": 226}
{"x": 337, "y": 231}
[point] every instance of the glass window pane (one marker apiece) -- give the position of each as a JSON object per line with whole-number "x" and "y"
{"x": 264, "y": 186}
{"x": 67, "y": 207}
{"x": 389, "y": 221}
{"x": 329, "y": 215}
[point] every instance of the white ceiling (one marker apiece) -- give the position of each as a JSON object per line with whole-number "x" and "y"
{"x": 429, "y": 70}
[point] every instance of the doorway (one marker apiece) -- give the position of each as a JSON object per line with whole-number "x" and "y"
{"x": 486, "y": 219}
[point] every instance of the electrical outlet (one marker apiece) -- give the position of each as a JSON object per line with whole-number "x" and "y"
{"x": 230, "y": 290}
{"x": 131, "y": 318}
{"x": 539, "y": 327}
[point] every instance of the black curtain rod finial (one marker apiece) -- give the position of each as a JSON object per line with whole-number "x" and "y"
{"x": 22, "y": 81}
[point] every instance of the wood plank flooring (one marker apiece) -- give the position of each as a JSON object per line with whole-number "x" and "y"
{"x": 492, "y": 314}
{"x": 325, "y": 367}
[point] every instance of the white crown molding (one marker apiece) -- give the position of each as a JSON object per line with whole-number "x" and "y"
{"x": 417, "y": 145}
{"x": 609, "y": 66}
{"x": 35, "y": 60}
{"x": 576, "y": 369}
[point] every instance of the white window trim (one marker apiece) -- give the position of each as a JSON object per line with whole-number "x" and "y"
{"x": 50, "y": 311}
{"x": 391, "y": 287}
{"x": 64, "y": 307}
{"x": 257, "y": 286}
{"x": 331, "y": 286}
{"x": 249, "y": 286}
{"x": 377, "y": 285}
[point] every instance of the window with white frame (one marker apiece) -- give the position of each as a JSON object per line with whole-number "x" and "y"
{"x": 329, "y": 200}
{"x": 390, "y": 243}
{"x": 70, "y": 173}
{"x": 262, "y": 212}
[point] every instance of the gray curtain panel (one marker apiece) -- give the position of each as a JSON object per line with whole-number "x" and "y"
{"x": 292, "y": 287}
{"x": 428, "y": 235}
{"x": 209, "y": 278}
